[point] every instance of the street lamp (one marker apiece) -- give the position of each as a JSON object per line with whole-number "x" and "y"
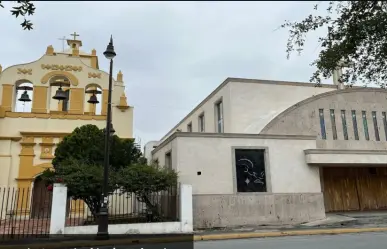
{"x": 103, "y": 221}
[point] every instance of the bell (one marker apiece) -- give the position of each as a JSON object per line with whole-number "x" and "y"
{"x": 93, "y": 99}
{"x": 24, "y": 97}
{"x": 60, "y": 94}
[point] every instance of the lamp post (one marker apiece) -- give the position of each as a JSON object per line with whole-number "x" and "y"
{"x": 103, "y": 221}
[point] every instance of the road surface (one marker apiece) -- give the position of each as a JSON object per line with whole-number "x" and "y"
{"x": 344, "y": 241}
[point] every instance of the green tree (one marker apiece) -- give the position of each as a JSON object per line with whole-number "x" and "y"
{"x": 83, "y": 180}
{"x": 23, "y": 8}
{"x": 145, "y": 181}
{"x": 355, "y": 36}
{"x": 79, "y": 160}
{"x": 87, "y": 143}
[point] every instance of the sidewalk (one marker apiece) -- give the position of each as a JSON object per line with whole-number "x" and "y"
{"x": 339, "y": 223}
{"x": 333, "y": 224}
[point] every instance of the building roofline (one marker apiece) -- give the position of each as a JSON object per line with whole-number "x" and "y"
{"x": 245, "y": 80}
{"x": 231, "y": 135}
{"x": 241, "y": 80}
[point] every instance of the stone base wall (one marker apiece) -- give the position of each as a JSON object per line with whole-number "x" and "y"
{"x": 210, "y": 211}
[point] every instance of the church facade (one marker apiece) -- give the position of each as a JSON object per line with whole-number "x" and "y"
{"x": 269, "y": 152}
{"x": 32, "y": 119}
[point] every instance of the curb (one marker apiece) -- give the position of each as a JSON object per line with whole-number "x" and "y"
{"x": 209, "y": 237}
{"x": 287, "y": 233}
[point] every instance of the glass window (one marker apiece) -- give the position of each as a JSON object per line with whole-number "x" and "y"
{"x": 201, "y": 123}
{"x": 333, "y": 122}
{"x": 168, "y": 160}
{"x": 344, "y": 122}
{"x": 375, "y": 121}
{"x": 189, "y": 127}
{"x": 365, "y": 125}
{"x": 354, "y": 122}
{"x": 250, "y": 170}
{"x": 385, "y": 123}
{"x": 322, "y": 124}
{"x": 219, "y": 116}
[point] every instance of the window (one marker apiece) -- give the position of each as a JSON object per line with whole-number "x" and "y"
{"x": 201, "y": 122}
{"x": 168, "y": 160}
{"x": 344, "y": 122}
{"x": 385, "y": 123}
{"x": 189, "y": 127}
{"x": 354, "y": 122}
{"x": 333, "y": 121}
{"x": 322, "y": 124}
{"x": 250, "y": 170}
{"x": 219, "y": 116}
{"x": 365, "y": 125}
{"x": 375, "y": 121}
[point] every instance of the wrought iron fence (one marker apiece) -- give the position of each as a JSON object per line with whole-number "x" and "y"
{"x": 127, "y": 208}
{"x": 24, "y": 212}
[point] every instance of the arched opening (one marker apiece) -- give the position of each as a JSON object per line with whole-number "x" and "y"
{"x": 93, "y": 92}
{"x": 41, "y": 200}
{"x": 59, "y": 85}
{"x": 24, "y": 93}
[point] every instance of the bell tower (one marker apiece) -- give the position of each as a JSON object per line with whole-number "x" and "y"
{"x": 74, "y": 44}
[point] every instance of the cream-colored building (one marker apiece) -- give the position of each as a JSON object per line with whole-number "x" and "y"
{"x": 28, "y": 137}
{"x": 267, "y": 152}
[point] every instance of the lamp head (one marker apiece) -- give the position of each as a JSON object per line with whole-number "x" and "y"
{"x": 109, "y": 53}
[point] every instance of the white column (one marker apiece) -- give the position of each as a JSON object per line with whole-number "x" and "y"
{"x": 58, "y": 209}
{"x": 186, "y": 212}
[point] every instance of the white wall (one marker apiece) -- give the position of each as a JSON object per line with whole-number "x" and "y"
{"x": 149, "y": 146}
{"x": 211, "y": 154}
{"x": 253, "y": 105}
{"x": 208, "y": 108}
{"x": 184, "y": 225}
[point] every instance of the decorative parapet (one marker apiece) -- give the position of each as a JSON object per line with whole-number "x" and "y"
{"x": 50, "y": 50}
{"x": 123, "y": 105}
{"x": 120, "y": 77}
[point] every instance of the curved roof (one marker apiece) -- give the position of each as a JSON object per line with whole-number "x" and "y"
{"x": 288, "y": 112}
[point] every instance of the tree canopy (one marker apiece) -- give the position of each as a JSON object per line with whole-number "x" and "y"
{"x": 87, "y": 143}
{"x": 355, "y": 36}
{"x": 79, "y": 160}
{"x": 22, "y": 8}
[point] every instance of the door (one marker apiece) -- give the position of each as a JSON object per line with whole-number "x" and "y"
{"x": 41, "y": 200}
{"x": 354, "y": 189}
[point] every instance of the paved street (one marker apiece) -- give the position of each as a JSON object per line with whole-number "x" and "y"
{"x": 345, "y": 241}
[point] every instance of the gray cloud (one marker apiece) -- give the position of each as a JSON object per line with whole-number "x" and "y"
{"x": 172, "y": 54}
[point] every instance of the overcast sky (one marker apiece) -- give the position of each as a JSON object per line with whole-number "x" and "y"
{"x": 172, "y": 54}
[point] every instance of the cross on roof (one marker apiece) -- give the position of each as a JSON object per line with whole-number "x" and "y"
{"x": 75, "y": 35}
{"x": 63, "y": 42}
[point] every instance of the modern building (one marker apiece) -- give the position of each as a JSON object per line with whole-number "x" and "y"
{"x": 32, "y": 123}
{"x": 268, "y": 152}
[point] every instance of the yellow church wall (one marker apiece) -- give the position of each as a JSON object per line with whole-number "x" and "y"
{"x": 28, "y": 140}
{"x": 48, "y": 63}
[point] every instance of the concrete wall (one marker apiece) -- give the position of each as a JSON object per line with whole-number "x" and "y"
{"x": 212, "y": 155}
{"x": 294, "y": 190}
{"x": 207, "y": 107}
{"x": 256, "y": 209}
{"x": 303, "y": 119}
{"x": 254, "y": 103}
{"x": 184, "y": 225}
{"x": 149, "y": 146}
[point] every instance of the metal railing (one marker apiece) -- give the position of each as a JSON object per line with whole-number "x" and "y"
{"x": 127, "y": 208}
{"x": 24, "y": 212}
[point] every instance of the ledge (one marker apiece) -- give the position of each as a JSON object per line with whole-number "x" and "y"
{"x": 43, "y": 134}
{"x": 15, "y": 139}
{"x": 321, "y": 157}
{"x": 231, "y": 135}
